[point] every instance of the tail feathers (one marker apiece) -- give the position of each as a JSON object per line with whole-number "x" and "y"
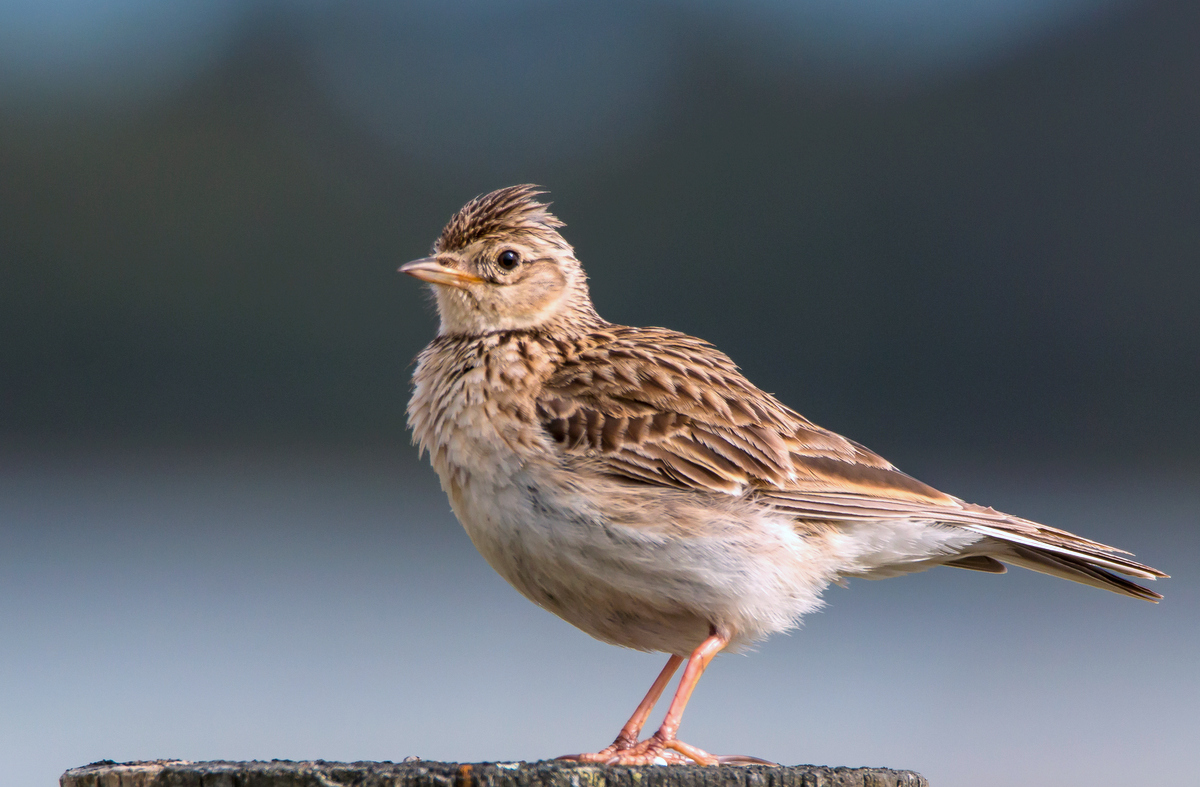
{"x": 1082, "y": 568}
{"x": 1005, "y": 538}
{"x": 988, "y": 565}
{"x": 1045, "y": 539}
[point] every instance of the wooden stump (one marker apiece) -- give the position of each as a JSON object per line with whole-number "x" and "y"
{"x": 425, "y": 773}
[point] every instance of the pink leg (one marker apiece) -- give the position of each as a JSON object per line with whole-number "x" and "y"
{"x": 633, "y": 728}
{"x": 697, "y": 663}
{"x": 657, "y": 745}
{"x": 663, "y": 746}
{"x": 628, "y": 736}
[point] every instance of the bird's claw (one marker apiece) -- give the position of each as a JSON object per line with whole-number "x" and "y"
{"x": 655, "y": 751}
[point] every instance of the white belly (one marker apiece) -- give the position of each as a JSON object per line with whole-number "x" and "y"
{"x": 644, "y": 567}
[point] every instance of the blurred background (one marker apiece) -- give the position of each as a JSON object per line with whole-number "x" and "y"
{"x": 964, "y": 234}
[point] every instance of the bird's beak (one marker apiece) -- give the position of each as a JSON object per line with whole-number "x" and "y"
{"x": 430, "y": 270}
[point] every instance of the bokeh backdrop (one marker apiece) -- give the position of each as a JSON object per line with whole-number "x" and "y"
{"x": 965, "y": 234}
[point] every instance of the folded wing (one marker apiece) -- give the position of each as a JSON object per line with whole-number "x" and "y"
{"x": 659, "y": 407}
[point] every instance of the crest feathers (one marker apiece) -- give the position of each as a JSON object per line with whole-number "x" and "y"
{"x": 503, "y": 213}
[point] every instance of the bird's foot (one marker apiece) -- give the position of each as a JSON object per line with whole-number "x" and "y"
{"x": 623, "y": 745}
{"x": 658, "y": 751}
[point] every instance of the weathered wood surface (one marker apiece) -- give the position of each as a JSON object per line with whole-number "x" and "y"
{"x": 424, "y": 773}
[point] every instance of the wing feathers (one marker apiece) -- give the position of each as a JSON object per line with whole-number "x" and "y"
{"x": 658, "y": 407}
{"x": 679, "y": 401}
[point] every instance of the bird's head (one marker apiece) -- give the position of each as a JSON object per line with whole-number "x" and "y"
{"x": 501, "y": 264}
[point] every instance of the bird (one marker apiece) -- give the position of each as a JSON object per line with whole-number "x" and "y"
{"x": 635, "y": 483}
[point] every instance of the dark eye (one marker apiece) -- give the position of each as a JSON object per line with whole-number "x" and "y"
{"x": 508, "y": 260}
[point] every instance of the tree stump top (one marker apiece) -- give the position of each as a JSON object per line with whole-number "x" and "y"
{"x": 427, "y": 773}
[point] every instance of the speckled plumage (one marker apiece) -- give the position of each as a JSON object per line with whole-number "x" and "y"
{"x": 635, "y": 483}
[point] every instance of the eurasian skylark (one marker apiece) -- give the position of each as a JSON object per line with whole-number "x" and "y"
{"x": 634, "y": 483}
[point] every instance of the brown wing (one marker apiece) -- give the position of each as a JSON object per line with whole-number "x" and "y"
{"x": 665, "y": 408}
{"x": 660, "y": 407}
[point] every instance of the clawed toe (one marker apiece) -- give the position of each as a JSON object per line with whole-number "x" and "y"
{"x": 655, "y": 751}
{"x": 648, "y": 752}
{"x": 742, "y": 759}
{"x": 598, "y": 757}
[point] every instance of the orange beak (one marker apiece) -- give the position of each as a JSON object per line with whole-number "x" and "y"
{"x": 430, "y": 270}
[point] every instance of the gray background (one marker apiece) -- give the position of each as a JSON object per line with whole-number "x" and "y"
{"x": 965, "y": 235}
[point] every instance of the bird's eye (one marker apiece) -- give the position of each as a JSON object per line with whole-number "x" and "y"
{"x": 508, "y": 260}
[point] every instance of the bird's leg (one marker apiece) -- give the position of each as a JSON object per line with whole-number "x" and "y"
{"x": 657, "y": 745}
{"x": 627, "y": 738}
{"x": 663, "y": 746}
{"x": 629, "y": 734}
